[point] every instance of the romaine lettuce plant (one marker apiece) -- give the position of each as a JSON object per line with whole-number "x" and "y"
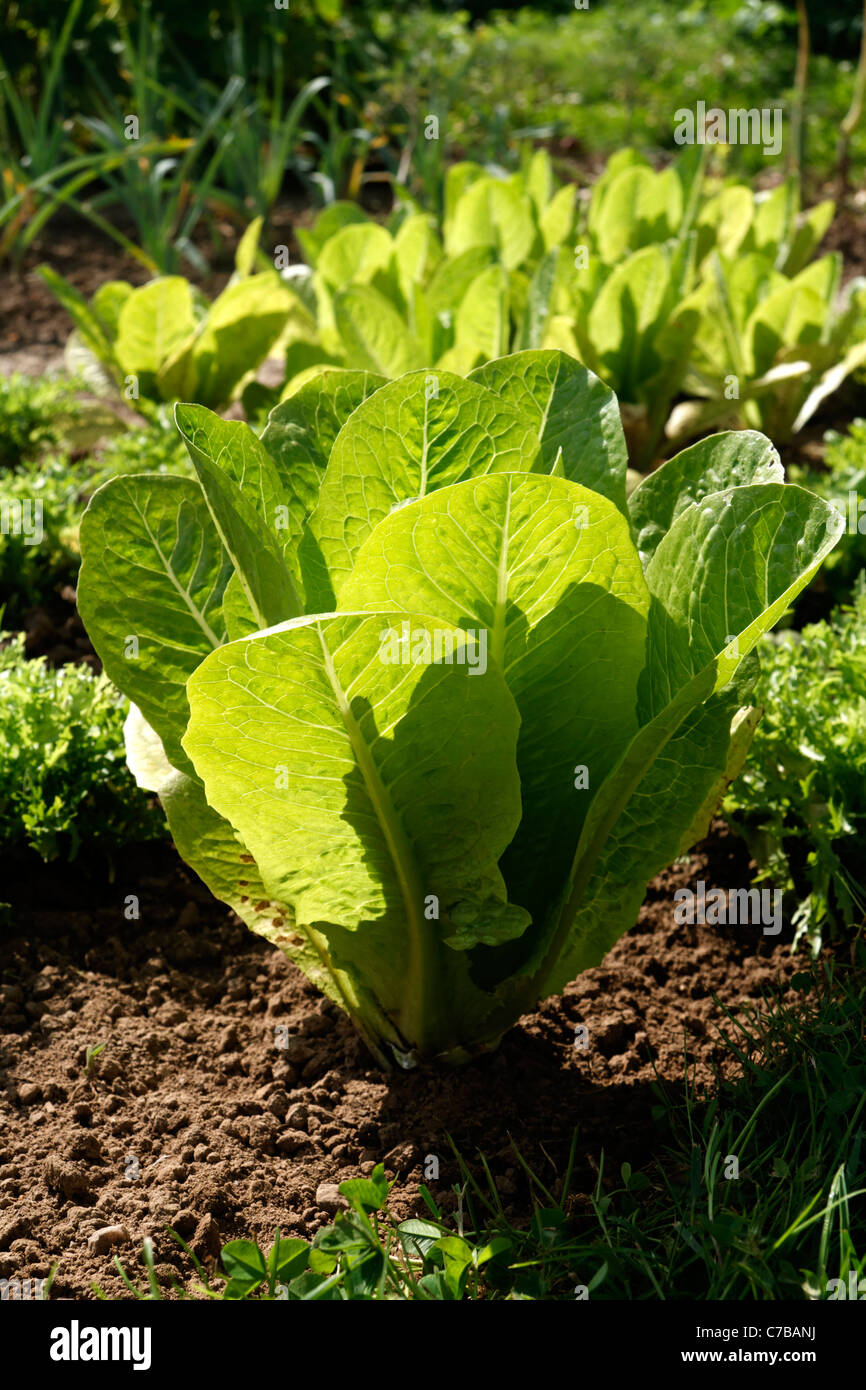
{"x": 632, "y": 206}
{"x": 163, "y": 340}
{"x": 653, "y": 243}
{"x": 769, "y": 349}
{"x": 425, "y": 699}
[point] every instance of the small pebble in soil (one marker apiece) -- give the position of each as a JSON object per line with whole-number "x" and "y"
{"x": 107, "y": 1236}
{"x": 328, "y": 1197}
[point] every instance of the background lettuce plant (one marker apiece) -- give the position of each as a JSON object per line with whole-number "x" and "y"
{"x": 419, "y": 293}
{"x": 164, "y": 340}
{"x": 786, "y": 344}
{"x": 439, "y": 844}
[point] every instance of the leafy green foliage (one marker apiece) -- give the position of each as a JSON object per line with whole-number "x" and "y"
{"x": 364, "y": 1255}
{"x": 841, "y": 481}
{"x": 515, "y": 73}
{"x": 661, "y": 283}
{"x": 408, "y": 822}
{"x": 34, "y": 567}
{"x": 801, "y": 802}
{"x": 770, "y": 349}
{"x": 63, "y": 779}
{"x": 212, "y": 96}
{"x": 163, "y": 341}
{"x": 416, "y": 294}
{"x": 35, "y": 413}
{"x": 35, "y": 562}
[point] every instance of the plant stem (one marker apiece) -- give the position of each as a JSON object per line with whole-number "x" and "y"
{"x": 855, "y": 111}
{"x": 801, "y": 74}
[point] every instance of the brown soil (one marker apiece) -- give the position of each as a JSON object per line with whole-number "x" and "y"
{"x": 55, "y": 630}
{"x": 193, "y": 1117}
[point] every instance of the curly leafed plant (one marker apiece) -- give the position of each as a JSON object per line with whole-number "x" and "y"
{"x": 425, "y": 699}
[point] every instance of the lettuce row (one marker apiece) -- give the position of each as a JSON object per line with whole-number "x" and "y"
{"x": 663, "y": 284}
{"x": 426, "y": 700}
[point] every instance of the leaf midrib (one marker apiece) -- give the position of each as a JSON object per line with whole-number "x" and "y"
{"x": 420, "y": 974}
{"x": 172, "y": 577}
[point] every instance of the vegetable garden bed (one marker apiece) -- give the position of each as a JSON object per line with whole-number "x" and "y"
{"x": 148, "y": 1085}
{"x": 234, "y": 1136}
{"x": 349, "y": 376}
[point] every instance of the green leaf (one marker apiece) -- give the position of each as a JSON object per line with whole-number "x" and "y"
{"x": 210, "y": 845}
{"x": 354, "y": 255}
{"x": 537, "y": 311}
{"x": 482, "y": 321}
{"x": 810, "y": 232}
{"x": 287, "y": 1258}
{"x": 574, "y": 414}
{"x": 628, "y": 307}
{"x": 244, "y": 1262}
{"x": 540, "y": 180}
{"x": 374, "y": 336}
{"x": 408, "y": 789}
{"x": 793, "y": 315}
{"x": 299, "y": 436}
{"x": 367, "y": 1194}
{"x": 242, "y": 489}
{"x": 242, "y": 326}
{"x": 107, "y": 303}
{"x": 453, "y": 278}
{"x": 91, "y": 330}
{"x": 416, "y": 250}
{"x": 721, "y": 461}
{"x": 457, "y": 1254}
{"x": 245, "y": 256}
{"x": 458, "y": 180}
{"x": 614, "y": 221}
{"x": 153, "y": 322}
{"x": 538, "y": 565}
{"x": 725, "y": 572}
{"x": 413, "y": 436}
{"x": 492, "y": 212}
{"x": 150, "y": 591}
{"x": 240, "y": 620}
{"x": 774, "y": 215}
{"x": 418, "y": 1237}
{"x": 557, "y": 221}
{"x": 724, "y": 221}
{"x": 330, "y": 221}
{"x": 301, "y": 430}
